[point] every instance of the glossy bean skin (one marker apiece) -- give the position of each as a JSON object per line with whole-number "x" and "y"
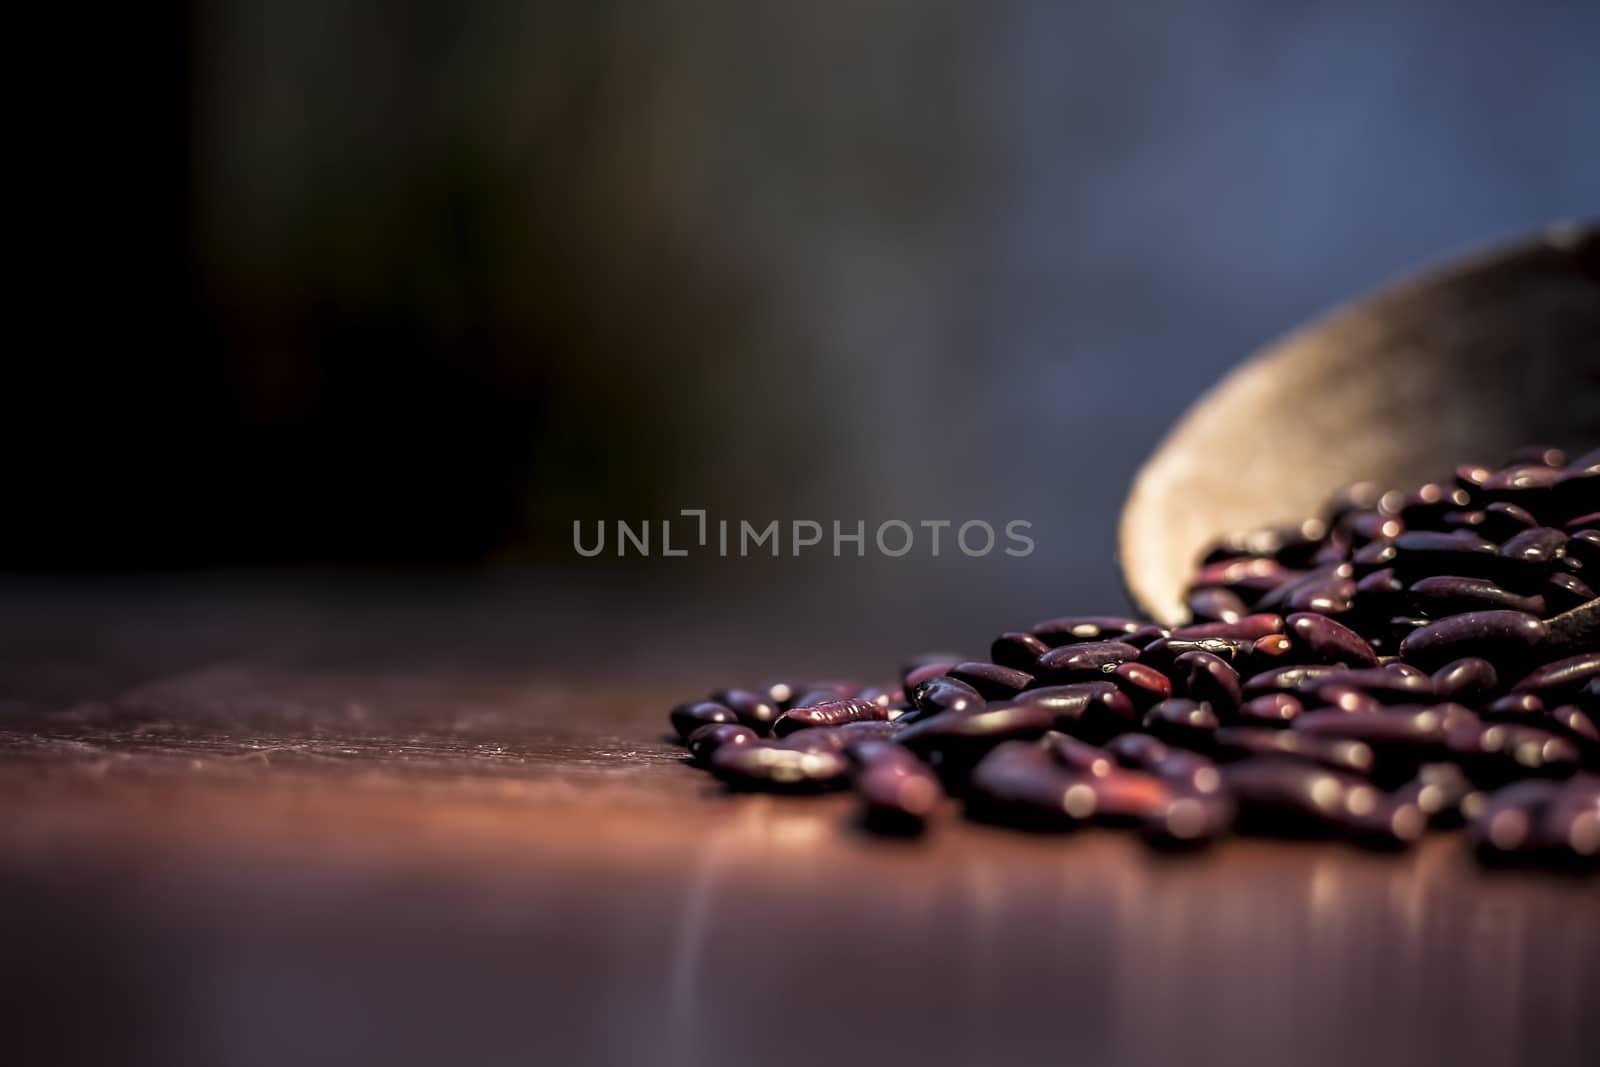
{"x": 1239, "y": 742}
{"x": 1443, "y": 595}
{"x": 1078, "y": 756}
{"x": 1535, "y": 546}
{"x": 1401, "y": 739}
{"x": 955, "y": 741}
{"x": 705, "y": 740}
{"x": 1078, "y": 629}
{"x": 1342, "y": 698}
{"x": 1019, "y": 651}
{"x": 1216, "y": 605}
{"x": 1271, "y": 710}
{"x": 1244, "y": 628}
{"x": 1468, "y": 680}
{"x": 1286, "y": 679}
{"x": 1579, "y": 727}
{"x": 1142, "y": 684}
{"x": 1145, "y": 636}
{"x": 689, "y": 717}
{"x": 1563, "y": 678}
{"x": 1192, "y": 771}
{"x": 1091, "y": 711}
{"x": 1084, "y": 662}
{"x": 1503, "y": 521}
{"x": 755, "y": 710}
{"x": 1382, "y": 685}
{"x": 1019, "y": 784}
{"x": 992, "y": 681}
{"x": 915, "y": 675}
{"x": 1507, "y": 830}
{"x": 1284, "y": 796}
{"x": 1326, "y": 641}
{"x": 1422, "y": 553}
{"x": 768, "y": 767}
{"x": 1563, "y": 592}
{"x": 898, "y": 792}
{"x": 844, "y": 737}
{"x": 1190, "y": 821}
{"x": 1208, "y": 679}
{"x": 938, "y": 695}
{"x": 1440, "y": 791}
{"x": 1584, "y": 546}
{"x": 1494, "y": 754}
{"x": 829, "y": 713}
{"x": 1183, "y": 723}
{"x": 1491, "y": 635}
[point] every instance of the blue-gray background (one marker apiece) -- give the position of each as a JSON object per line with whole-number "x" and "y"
{"x": 353, "y": 284}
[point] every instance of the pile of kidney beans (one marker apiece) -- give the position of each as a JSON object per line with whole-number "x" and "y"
{"x": 1386, "y": 668}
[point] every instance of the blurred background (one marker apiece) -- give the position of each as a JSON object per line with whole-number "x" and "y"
{"x": 387, "y": 286}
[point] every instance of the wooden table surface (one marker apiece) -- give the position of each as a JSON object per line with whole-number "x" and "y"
{"x": 249, "y": 822}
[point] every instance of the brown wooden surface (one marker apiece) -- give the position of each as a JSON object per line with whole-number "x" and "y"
{"x": 242, "y": 822}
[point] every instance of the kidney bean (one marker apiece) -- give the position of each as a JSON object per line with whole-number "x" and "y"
{"x": 1439, "y": 791}
{"x": 1208, "y": 679}
{"x": 1184, "y": 723}
{"x": 1074, "y": 629}
{"x": 1425, "y": 507}
{"x": 1143, "y": 684}
{"x": 992, "y": 681}
{"x": 1145, "y": 636}
{"x": 1326, "y": 641}
{"x": 1276, "y": 795}
{"x": 689, "y": 717}
{"x": 1443, "y": 595}
{"x": 1421, "y": 553}
{"x": 1018, "y": 651}
{"x": 1491, "y": 635}
{"x": 1344, "y": 698}
{"x": 938, "y": 695}
{"x": 977, "y": 731}
{"x": 762, "y": 765}
{"x": 1091, "y": 711}
{"x": 1466, "y": 680}
{"x": 1527, "y": 485}
{"x": 705, "y": 740}
{"x": 1502, "y": 521}
{"x": 1245, "y": 628}
{"x": 1506, "y": 827}
{"x": 1285, "y": 679}
{"x": 1216, "y": 605}
{"x": 898, "y": 791}
{"x": 828, "y": 713}
{"x": 1401, "y": 739}
{"x": 1190, "y": 820}
{"x": 1562, "y": 678}
{"x": 1584, "y": 546}
{"x": 1493, "y": 754}
{"x": 1273, "y": 709}
{"x": 1239, "y": 742}
{"x": 923, "y": 672}
{"x": 755, "y": 710}
{"x": 1084, "y": 662}
{"x": 1382, "y": 684}
{"x": 1019, "y": 784}
{"x": 1563, "y": 592}
{"x": 1076, "y": 755}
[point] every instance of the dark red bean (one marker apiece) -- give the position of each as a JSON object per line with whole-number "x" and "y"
{"x": 1190, "y": 820}
{"x": 1285, "y": 679}
{"x": 755, "y": 710}
{"x": 1395, "y": 821}
{"x": 992, "y": 681}
{"x": 1465, "y": 520}
{"x": 1561, "y": 679}
{"x": 1421, "y": 553}
{"x": 1084, "y": 662}
{"x": 1577, "y": 726}
{"x": 1092, "y": 711}
{"x": 829, "y": 713}
{"x": 1496, "y": 753}
{"x": 1326, "y": 641}
{"x": 1465, "y": 681}
{"x": 1019, "y": 784}
{"x": 1074, "y": 629}
{"x": 1076, "y": 755}
{"x": 1206, "y": 678}
{"x": 1190, "y": 770}
{"x": 1381, "y": 684}
{"x": 1163, "y": 655}
{"x": 1237, "y": 742}
{"x": 1527, "y": 485}
{"x": 1575, "y": 492}
{"x": 1277, "y": 795}
{"x": 924, "y": 672}
{"x": 1343, "y": 698}
{"x": 898, "y": 792}
{"x": 1248, "y": 578}
{"x": 1584, "y": 546}
{"x": 1539, "y": 545}
{"x": 1536, "y": 455}
{"x": 1145, "y": 636}
{"x": 1401, "y": 739}
{"x": 1515, "y": 706}
{"x": 1373, "y": 556}
{"x": 1184, "y": 723}
{"x": 888, "y": 696}
{"x": 1143, "y": 684}
{"x": 1424, "y": 507}
{"x": 689, "y": 717}
{"x": 938, "y": 695}
{"x": 1563, "y": 592}
{"x": 1443, "y": 595}
{"x": 824, "y": 693}
{"x": 1439, "y": 791}
{"x": 1216, "y": 605}
{"x": 1491, "y": 635}
{"x": 706, "y": 739}
{"x": 1274, "y": 709}
{"x": 1582, "y": 523}
{"x": 1019, "y": 651}
{"x": 977, "y": 731}
{"x": 1245, "y": 628}
{"x": 1502, "y": 521}
{"x": 766, "y": 766}
{"x": 1364, "y": 527}
{"x": 1507, "y": 827}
